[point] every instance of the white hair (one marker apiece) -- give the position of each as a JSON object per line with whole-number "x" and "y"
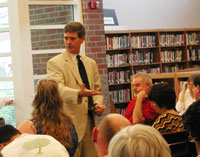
{"x": 138, "y": 140}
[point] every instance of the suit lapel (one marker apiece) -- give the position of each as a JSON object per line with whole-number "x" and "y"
{"x": 72, "y": 66}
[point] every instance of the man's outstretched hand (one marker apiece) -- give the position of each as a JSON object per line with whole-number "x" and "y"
{"x": 84, "y": 92}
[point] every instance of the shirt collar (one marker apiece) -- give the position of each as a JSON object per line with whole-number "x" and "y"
{"x": 73, "y": 56}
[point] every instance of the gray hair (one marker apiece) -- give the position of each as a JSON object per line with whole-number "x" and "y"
{"x": 138, "y": 140}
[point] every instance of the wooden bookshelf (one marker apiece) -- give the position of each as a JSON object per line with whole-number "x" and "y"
{"x": 160, "y": 52}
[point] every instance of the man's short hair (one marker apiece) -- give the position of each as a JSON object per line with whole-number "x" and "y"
{"x": 7, "y": 132}
{"x": 145, "y": 77}
{"x": 75, "y": 27}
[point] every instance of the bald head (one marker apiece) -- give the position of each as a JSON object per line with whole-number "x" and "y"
{"x": 108, "y": 127}
{"x": 111, "y": 124}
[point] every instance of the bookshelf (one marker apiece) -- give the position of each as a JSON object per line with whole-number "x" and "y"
{"x": 161, "y": 52}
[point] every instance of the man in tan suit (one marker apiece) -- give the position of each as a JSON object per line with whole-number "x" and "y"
{"x": 64, "y": 69}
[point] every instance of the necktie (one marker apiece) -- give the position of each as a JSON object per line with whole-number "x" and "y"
{"x": 84, "y": 78}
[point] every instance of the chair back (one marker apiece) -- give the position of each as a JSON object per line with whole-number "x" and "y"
{"x": 180, "y": 145}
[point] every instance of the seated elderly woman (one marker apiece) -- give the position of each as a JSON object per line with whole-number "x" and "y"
{"x": 138, "y": 140}
{"x": 191, "y": 120}
{"x": 164, "y": 100}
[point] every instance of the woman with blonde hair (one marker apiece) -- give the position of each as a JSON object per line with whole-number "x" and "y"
{"x": 49, "y": 118}
{"x": 138, "y": 140}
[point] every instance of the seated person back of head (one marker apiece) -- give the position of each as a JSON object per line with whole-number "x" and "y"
{"x": 2, "y": 121}
{"x": 28, "y": 145}
{"x": 163, "y": 99}
{"x": 8, "y": 134}
{"x": 191, "y": 120}
{"x": 138, "y": 141}
{"x": 48, "y": 116}
{"x": 108, "y": 127}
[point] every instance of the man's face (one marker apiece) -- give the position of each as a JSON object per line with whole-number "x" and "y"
{"x": 73, "y": 42}
{"x": 138, "y": 85}
{"x": 196, "y": 92}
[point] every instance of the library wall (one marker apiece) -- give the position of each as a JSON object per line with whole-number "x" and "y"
{"x": 155, "y": 14}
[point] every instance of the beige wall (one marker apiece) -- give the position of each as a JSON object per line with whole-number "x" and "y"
{"x": 155, "y": 14}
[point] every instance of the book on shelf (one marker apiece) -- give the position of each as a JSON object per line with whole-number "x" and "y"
{"x": 117, "y": 42}
{"x": 171, "y": 56}
{"x": 193, "y": 54}
{"x": 121, "y": 110}
{"x": 117, "y": 60}
{"x": 116, "y": 77}
{"x": 148, "y": 70}
{"x": 193, "y": 38}
{"x": 179, "y": 86}
{"x": 172, "y": 39}
{"x": 119, "y": 96}
{"x": 143, "y": 41}
{"x": 141, "y": 57}
{"x": 170, "y": 69}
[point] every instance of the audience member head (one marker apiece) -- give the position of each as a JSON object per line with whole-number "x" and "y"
{"x": 138, "y": 140}
{"x": 2, "y": 121}
{"x": 196, "y": 87}
{"x": 162, "y": 96}
{"x": 47, "y": 97}
{"x": 141, "y": 82}
{"x": 75, "y": 27}
{"x": 48, "y": 112}
{"x": 108, "y": 127}
{"x": 29, "y": 145}
{"x": 8, "y": 134}
{"x": 191, "y": 121}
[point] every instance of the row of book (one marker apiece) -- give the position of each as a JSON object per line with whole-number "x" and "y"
{"x": 143, "y": 41}
{"x": 115, "y": 77}
{"x": 122, "y": 95}
{"x": 121, "y": 110}
{"x": 122, "y": 42}
{"x": 180, "y": 84}
{"x": 171, "y": 56}
{"x": 148, "y": 70}
{"x": 137, "y": 57}
{"x": 193, "y": 54}
{"x": 172, "y": 39}
{"x": 117, "y": 60}
{"x": 170, "y": 69}
{"x": 193, "y": 38}
{"x": 141, "y": 58}
{"x": 117, "y": 42}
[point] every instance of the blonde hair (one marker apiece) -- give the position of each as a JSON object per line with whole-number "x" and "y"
{"x": 145, "y": 77}
{"x": 138, "y": 140}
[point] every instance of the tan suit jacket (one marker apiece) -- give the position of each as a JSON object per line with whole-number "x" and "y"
{"x": 65, "y": 71}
